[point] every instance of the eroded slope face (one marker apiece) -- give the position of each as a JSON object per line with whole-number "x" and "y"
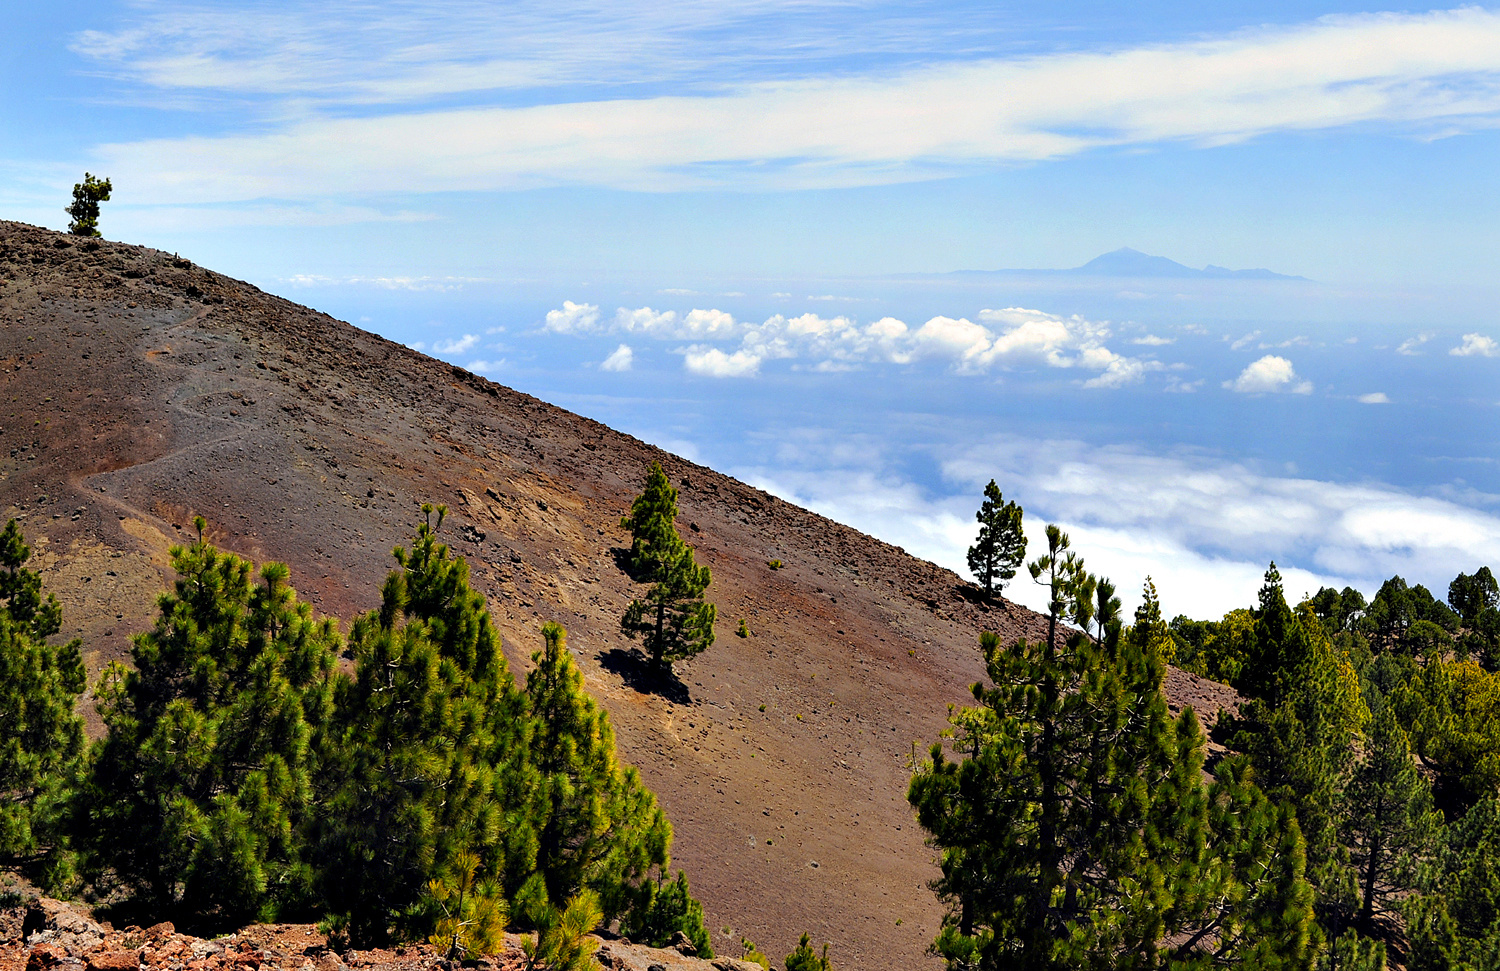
{"x": 137, "y": 390}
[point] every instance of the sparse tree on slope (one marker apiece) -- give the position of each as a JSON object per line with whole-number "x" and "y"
{"x": 672, "y": 620}
{"x": 804, "y": 958}
{"x": 41, "y": 739}
{"x": 85, "y": 208}
{"x": 1001, "y": 543}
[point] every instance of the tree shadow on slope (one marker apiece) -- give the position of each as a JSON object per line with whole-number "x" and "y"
{"x": 621, "y": 556}
{"x": 636, "y": 670}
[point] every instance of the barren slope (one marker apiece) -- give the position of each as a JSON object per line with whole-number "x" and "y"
{"x": 139, "y": 390}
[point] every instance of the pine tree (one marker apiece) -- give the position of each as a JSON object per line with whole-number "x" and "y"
{"x": 473, "y": 911}
{"x": 1389, "y": 820}
{"x": 412, "y": 780}
{"x": 804, "y": 958}
{"x": 592, "y": 822}
{"x": 673, "y": 621}
{"x": 41, "y": 739}
{"x": 562, "y": 942}
{"x": 85, "y": 208}
{"x": 438, "y": 755}
{"x": 1455, "y": 922}
{"x": 1001, "y": 544}
{"x": 1150, "y": 633}
{"x": 200, "y": 791}
{"x": 1299, "y": 732}
{"x": 669, "y": 908}
{"x": 403, "y": 739}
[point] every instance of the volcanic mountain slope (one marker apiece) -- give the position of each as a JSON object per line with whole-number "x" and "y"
{"x": 137, "y": 390}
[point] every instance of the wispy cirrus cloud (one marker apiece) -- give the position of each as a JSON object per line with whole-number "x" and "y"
{"x": 418, "y": 283}
{"x": 1412, "y": 346}
{"x": 1395, "y": 72}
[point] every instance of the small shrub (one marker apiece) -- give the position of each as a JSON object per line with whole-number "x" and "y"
{"x": 806, "y": 959}
{"x": 775, "y": 564}
{"x": 562, "y": 942}
{"x": 742, "y": 631}
{"x": 335, "y": 927}
{"x": 668, "y": 909}
{"x": 753, "y": 955}
{"x": 472, "y": 913}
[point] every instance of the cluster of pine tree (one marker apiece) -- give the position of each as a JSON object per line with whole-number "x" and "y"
{"x": 1076, "y": 824}
{"x": 244, "y": 776}
{"x": 1355, "y": 822}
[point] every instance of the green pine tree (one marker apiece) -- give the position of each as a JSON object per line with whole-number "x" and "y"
{"x": 85, "y": 207}
{"x": 41, "y": 738}
{"x": 592, "y": 821}
{"x": 672, "y": 620}
{"x": 804, "y": 958}
{"x": 200, "y": 792}
{"x": 1389, "y": 822}
{"x": 1001, "y": 544}
{"x": 412, "y": 780}
{"x": 562, "y": 941}
{"x": 1454, "y": 923}
{"x": 472, "y": 911}
{"x": 668, "y": 908}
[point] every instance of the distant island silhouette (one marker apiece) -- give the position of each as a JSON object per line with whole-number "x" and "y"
{"x": 1127, "y": 262}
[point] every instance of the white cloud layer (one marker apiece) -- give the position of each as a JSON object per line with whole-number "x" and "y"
{"x": 1430, "y": 72}
{"x": 1203, "y": 529}
{"x": 1010, "y": 338}
{"x": 1476, "y": 345}
{"x": 1271, "y": 374}
{"x": 1374, "y": 398}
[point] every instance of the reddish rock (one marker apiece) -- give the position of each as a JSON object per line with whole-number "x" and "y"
{"x": 45, "y": 956}
{"x": 114, "y": 961}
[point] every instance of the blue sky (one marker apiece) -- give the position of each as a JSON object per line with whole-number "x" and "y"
{"x": 730, "y": 227}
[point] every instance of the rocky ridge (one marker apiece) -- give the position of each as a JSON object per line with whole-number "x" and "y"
{"x": 41, "y": 934}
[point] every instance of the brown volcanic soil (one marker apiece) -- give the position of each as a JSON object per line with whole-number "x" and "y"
{"x": 137, "y": 390}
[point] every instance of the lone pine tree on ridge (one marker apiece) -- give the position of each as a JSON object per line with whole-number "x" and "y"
{"x": 1001, "y": 544}
{"x": 672, "y": 620}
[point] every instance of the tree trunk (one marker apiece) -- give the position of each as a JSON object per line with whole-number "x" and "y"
{"x": 1372, "y": 866}
{"x": 657, "y": 648}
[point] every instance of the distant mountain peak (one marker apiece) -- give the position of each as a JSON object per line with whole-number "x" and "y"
{"x": 1133, "y": 263}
